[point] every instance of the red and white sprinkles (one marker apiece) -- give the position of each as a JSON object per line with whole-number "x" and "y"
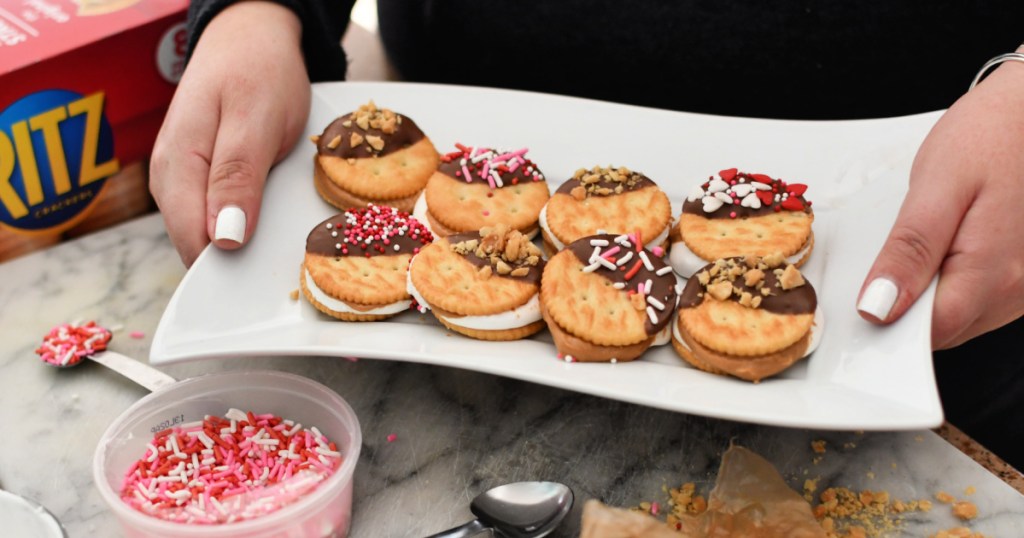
{"x": 375, "y": 229}
{"x": 68, "y": 344}
{"x": 748, "y": 190}
{"x": 489, "y": 164}
{"x": 222, "y": 470}
{"x": 607, "y": 259}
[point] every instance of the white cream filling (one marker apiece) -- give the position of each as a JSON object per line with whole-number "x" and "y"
{"x": 341, "y": 307}
{"x": 419, "y": 212}
{"x": 686, "y": 263}
{"x": 543, "y": 220}
{"x": 817, "y": 328}
{"x": 519, "y": 316}
{"x": 664, "y": 336}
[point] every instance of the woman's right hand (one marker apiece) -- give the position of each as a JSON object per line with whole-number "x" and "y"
{"x": 240, "y": 107}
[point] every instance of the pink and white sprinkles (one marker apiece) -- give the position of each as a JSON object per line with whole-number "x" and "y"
{"x": 489, "y": 164}
{"x": 223, "y": 470}
{"x": 68, "y": 344}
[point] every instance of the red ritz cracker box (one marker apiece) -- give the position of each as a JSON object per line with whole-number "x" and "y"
{"x": 84, "y": 86}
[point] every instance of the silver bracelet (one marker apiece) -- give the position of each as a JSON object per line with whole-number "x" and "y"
{"x": 1010, "y": 56}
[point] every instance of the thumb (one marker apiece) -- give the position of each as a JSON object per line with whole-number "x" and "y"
{"x": 914, "y": 250}
{"x": 242, "y": 157}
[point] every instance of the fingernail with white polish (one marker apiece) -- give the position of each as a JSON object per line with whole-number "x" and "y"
{"x": 879, "y": 298}
{"x": 230, "y": 224}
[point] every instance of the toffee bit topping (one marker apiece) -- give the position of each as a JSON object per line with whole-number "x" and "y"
{"x": 602, "y": 181}
{"x": 368, "y": 117}
{"x": 507, "y": 251}
{"x": 744, "y": 278}
{"x": 496, "y": 167}
{"x": 733, "y": 188}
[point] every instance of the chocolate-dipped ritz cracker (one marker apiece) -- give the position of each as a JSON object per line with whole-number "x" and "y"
{"x": 373, "y": 155}
{"x": 750, "y": 317}
{"x": 481, "y": 284}
{"x": 356, "y": 263}
{"x": 606, "y": 298}
{"x": 475, "y": 187}
{"x": 611, "y": 199}
{"x": 740, "y": 214}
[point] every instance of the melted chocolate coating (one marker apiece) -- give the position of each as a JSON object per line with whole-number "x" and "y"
{"x": 641, "y": 182}
{"x": 800, "y": 300}
{"x": 321, "y": 241}
{"x": 696, "y": 207}
{"x": 664, "y": 286}
{"x": 533, "y": 277}
{"x": 405, "y": 135}
{"x": 453, "y": 169}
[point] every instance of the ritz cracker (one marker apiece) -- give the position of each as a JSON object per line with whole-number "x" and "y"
{"x": 84, "y": 85}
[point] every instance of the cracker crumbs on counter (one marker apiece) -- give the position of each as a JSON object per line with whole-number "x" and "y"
{"x": 294, "y": 295}
{"x": 845, "y": 513}
{"x": 965, "y": 510}
{"x": 944, "y": 497}
{"x": 818, "y": 446}
{"x": 682, "y": 501}
{"x": 970, "y": 490}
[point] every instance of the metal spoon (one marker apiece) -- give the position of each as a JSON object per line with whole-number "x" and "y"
{"x": 139, "y": 372}
{"x": 517, "y": 510}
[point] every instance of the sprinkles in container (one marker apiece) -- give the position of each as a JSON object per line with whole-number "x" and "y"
{"x": 254, "y": 454}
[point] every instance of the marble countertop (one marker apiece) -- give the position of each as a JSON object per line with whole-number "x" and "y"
{"x": 455, "y": 433}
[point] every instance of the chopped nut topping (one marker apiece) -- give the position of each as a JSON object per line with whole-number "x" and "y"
{"x": 704, "y": 278}
{"x": 720, "y": 290}
{"x": 314, "y": 138}
{"x": 507, "y": 251}
{"x": 485, "y": 272}
{"x": 638, "y": 302}
{"x": 375, "y": 142}
{"x": 746, "y": 298}
{"x": 363, "y": 122}
{"x": 774, "y": 260}
{"x": 791, "y": 278}
{"x": 756, "y": 301}
{"x": 600, "y": 181}
{"x": 335, "y": 142}
{"x": 346, "y": 124}
{"x": 355, "y": 140}
{"x": 766, "y": 291}
{"x": 350, "y": 160}
{"x": 752, "y": 277}
{"x": 579, "y": 193}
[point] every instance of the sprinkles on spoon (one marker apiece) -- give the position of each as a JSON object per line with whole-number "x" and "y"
{"x": 69, "y": 343}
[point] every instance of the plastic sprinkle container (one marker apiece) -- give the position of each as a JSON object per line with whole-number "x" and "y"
{"x": 324, "y": 511}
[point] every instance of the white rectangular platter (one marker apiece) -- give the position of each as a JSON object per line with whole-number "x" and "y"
{"x": 239, "y": 303}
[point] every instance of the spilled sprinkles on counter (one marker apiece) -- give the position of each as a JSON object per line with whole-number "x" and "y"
{"x": 68, "y": 344}
{"x": 222, "y": 470}
{"x": 486, "y": 164}
{"x": 374, "y": 230}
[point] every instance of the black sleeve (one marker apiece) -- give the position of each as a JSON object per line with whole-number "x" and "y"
{"x": 323, "y": 23}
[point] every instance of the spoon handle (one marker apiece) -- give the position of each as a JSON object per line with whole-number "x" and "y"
{"x": 462, "y": 531}
{"x": 141, "y": 373}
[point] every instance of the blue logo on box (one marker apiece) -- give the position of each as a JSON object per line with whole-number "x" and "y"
{"x": 56, "y": 151}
